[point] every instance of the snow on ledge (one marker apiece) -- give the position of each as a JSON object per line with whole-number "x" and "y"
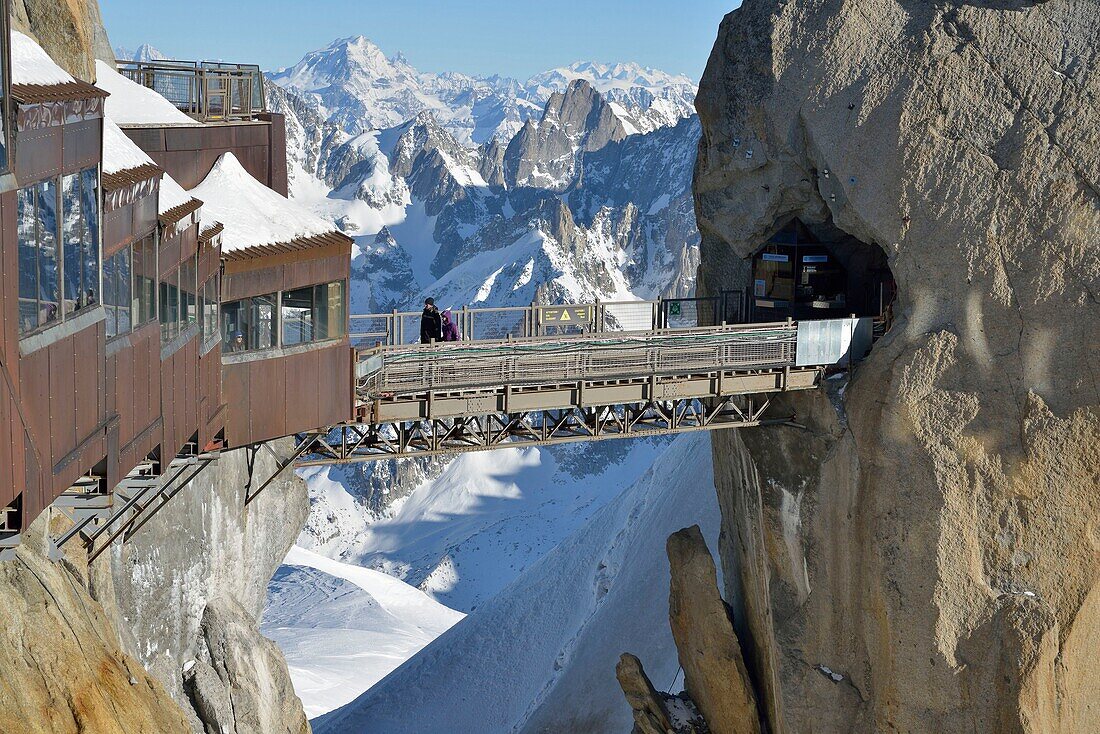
{"x": 31, "y": 65}
{"x": 171, "y": 195}
{"x": 119, "y": 152}
{"x": 132, "y": 104}
{"x": 252, "y": 213}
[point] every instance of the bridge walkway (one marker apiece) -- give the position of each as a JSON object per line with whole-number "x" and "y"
{"x": 414, "y": 400}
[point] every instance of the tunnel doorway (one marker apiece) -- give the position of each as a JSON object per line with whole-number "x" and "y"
{"x": 818, "y": 272}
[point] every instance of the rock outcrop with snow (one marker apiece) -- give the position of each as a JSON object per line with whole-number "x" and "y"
{"x": 923, "y": 557}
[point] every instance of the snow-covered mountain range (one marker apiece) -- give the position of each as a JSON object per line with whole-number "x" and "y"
{"x": 144, "y": 52}
{"x": 355, "y": 84}
{"x": 575, "y": 205}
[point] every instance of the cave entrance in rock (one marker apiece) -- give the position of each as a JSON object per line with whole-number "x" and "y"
{"x": 817, "y": 271}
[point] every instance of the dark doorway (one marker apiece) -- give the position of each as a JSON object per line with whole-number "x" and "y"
{"x": 818, "y": 273}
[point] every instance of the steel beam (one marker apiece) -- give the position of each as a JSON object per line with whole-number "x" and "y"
{"x": 427, "y": 437}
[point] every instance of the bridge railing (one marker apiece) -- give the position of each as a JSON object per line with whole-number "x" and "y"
{"x": 209, "y": 91}
{"x": 536, "y": 320}
{"x": 551, "y": 359}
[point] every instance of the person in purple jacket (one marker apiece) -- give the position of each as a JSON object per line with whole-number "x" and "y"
{"x": 450, "y": 328}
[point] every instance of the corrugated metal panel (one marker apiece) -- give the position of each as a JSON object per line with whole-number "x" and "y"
{"x": 37, "y": 93}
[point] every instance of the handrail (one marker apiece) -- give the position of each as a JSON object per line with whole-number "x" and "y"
{"x": 209, "y": 91}
{"x": 491, "y": 323}
{"x": 542, "y": 360}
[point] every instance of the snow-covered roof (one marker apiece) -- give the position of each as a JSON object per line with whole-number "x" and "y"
{"x": 172, "y": 194}
{"x": 132, "y": 104}
{"x": 31, "y": 65}
{"x": 119, "y": 152}
{"x": 252, "y": 213}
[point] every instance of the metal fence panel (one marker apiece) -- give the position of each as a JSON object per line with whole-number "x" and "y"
{"x": 497, "y": 323}
{"x": 628, "y": 316}
{"x": 688, "y": 313}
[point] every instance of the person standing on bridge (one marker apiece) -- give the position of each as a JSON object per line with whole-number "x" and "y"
{"x": 431, "y": 324}
{"x": 450, "y": 328}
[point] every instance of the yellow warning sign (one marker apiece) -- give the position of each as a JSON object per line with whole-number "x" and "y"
{"x": 574, "y": 315}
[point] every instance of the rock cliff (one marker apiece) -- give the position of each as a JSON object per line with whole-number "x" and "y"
{"x": 159, "y": 635}
{"x": 71, "y": 32}
{"x": 924, "y": 555}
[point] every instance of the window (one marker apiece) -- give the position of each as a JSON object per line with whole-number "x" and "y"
{"x": 58, "y": 231}
{"x": 314, "y": 313}
{"x": 170, "y": 306}
{"x": 251, "y": 323}
{"x": 303, "y": 315}
{"x": 297, "y": 316}
{"x": 80, "y": 238}
{"x": 117, "y": 296}
{"x": 210, "y": 297}
{"x": 332, "y": 312}
{"x": 189, "y": 305}
{"x": 144, "y": 307}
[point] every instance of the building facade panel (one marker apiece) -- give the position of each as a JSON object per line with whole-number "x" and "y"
{"x": 188, "y": 153}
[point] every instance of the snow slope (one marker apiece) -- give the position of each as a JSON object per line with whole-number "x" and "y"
{"x": 343, "y": 628}
{"x": 540, "y": 656}
{"x": 468, "y": 532}
{"x": 132, "y": 104}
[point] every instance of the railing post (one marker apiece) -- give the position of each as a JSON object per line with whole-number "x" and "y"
{"x": 463, "y": 319}
{"x": 789, "y": 351}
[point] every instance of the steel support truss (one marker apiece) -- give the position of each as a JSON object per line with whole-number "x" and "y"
{"x": 354, "y": 442}
{"x": 99, "y": 517}
{"x": 252, "y": 488}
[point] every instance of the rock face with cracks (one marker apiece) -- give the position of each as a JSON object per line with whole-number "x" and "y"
{"x": 714, "y": 672}
{"x": 160, "y": 635}
{"x": 650, "y": 714}
{"x": 924, "y": 555}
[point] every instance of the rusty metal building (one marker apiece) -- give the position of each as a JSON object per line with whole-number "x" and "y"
{"x": 119, "y": 296}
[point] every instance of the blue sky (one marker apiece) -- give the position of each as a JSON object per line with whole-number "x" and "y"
{"x": 512, "y": 37}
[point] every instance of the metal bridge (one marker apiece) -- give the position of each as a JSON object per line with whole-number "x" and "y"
{"x": 577, "y": 372}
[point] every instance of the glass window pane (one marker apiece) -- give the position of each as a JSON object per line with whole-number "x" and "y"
{"x": 170, "y": 306}
{"x": 233, "y": 326}
{"x": 90, "y": 252}
{"x": 116, "y": 289}
{"x": 188, "y": 300}
{"x": 49, "y": 285}
{"x": 123, "y": 317}
{"x": 264, "y": 326}
{"x": 331, "y": 313}
{"x": 28, "y": 261}
{"x": 145, "y": 281}
{"x": 110, "y": 294}
{"x": 71, "y": 242}
{"x": 297, "y": 316}
{"x": 210, "y": 308}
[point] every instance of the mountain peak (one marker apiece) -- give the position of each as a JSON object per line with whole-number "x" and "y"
{"x": 144, "y": 52}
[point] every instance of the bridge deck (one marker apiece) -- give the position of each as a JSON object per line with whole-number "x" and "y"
{"x": 468, "y": 396}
